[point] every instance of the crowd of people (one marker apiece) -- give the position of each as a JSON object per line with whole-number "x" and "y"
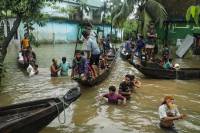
{"x": 167, "y": 111}
{"x": 88, "y": 63}
{"x": 92, "y": 60}
{"x": 145, "y": 49}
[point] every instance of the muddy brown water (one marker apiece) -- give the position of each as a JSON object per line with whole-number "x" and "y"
{"x": 86, "y": 115}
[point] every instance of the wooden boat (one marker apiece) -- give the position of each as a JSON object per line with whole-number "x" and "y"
{"x": 124, "y": 55}
{"x": 104, "y": 74}
{"x": 154, "y": 71}
{"x": 21, "y": 61}
{"x": 196, "y": 51}
{"x": 31, "y": 117}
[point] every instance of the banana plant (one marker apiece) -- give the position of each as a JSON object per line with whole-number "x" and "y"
{"x": 193, "y": 12}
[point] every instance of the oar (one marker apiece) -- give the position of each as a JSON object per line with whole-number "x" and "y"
{"x": 77, "y": 40}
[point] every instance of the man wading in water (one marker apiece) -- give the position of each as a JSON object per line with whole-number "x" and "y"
{"x": 168, "y": 112}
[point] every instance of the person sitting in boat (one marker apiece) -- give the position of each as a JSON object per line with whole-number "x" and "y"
{"x": 79, "y": 66}
{"x": 64, "y": 67}
{"x": 112, "y": 97}
{"x": 168, "y": 113}
{"x": 54, "y": 68}
{"x": 166, "y": 52}
{"x": 134, "y": 83}
{"x": 103, "y": 61}
{"x": 124, "y": 88}
{"x": 25, "y": 45}
{"x": 89, "y": 74}
{"x": 31, "y": 55}
{"x": 20, "y": 58}
{"x": 32, "y": 69}
{"x": 168, "y": 64}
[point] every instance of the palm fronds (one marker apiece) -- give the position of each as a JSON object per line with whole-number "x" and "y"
{"x": 156, "y": 11}
{"x": 121, "y": 12}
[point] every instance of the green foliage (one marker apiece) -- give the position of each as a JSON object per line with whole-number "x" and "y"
{"x": 145, "y": 22}
{"x": 156, "y": 11}
{"x": 122, "y": 11}
{"x": 130, "y": 28}
{"x": 33, "y": 40}
{"x": 193, "y": 13}
{"x": 153, "y": 8}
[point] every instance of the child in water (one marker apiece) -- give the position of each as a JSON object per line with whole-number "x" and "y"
{"x": 113, "y": 97}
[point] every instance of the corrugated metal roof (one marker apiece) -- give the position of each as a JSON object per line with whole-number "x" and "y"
{"x": 92, "y": 3}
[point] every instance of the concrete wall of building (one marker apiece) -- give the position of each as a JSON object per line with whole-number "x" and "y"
{"x": 57, "y": 31}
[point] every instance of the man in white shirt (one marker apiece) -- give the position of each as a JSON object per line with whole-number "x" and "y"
{"x": 168, "y": 112}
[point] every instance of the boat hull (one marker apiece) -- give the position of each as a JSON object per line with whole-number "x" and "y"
{"x": 102, "y": 76}
{"x": 31, "y": 117}
{"x": 158, "y": 73}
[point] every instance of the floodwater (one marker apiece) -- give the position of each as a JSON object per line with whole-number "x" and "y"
{"x": 86, "y": 115}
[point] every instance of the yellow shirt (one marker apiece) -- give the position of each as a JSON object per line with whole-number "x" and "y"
{"x": 25, "y": 43}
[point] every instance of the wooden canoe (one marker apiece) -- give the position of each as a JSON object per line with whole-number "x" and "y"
{"x": 103, "y": 75}
{"x": 31, "y": 117}
{"x": 161, "y": 73}
{"x": 21, "y": 62}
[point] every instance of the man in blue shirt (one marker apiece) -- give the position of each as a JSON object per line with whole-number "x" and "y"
{"x": 94, "y": 50}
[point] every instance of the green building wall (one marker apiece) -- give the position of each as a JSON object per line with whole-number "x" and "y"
{"x": 177, "y": 31}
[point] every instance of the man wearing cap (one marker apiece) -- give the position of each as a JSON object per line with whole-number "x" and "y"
{"x": 168, "y": 112}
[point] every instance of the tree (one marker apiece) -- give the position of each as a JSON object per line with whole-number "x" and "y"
{"x": 22, "y": 10}
{"x": 193, "y": 12}
{"x": 130, "y": 29}
{"x": 146, "y": 10}
{"x": 177, "y": 9}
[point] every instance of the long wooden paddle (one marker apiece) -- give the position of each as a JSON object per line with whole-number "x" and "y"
{"x": 77, "y": 40}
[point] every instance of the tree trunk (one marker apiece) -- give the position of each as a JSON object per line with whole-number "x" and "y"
{"x": 6, "y": 41}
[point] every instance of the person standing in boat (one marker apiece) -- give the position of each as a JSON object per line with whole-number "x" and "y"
{"x": 139, "y": 46}
{"x": 168, "y": 113}
{"x": 107, "y": 43}
{"x": 25, "y": 45}
{"x": 54, "y": 68}
{"x": 128, "y": 46}
{"x": 94, "y": 52}
{"x": 102, "y": 44}
{"x": 124, "y": 88}
{"x": 64, "y": 67}
{"x": 151, "y": 36}
{"x": 79, "y": 66}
